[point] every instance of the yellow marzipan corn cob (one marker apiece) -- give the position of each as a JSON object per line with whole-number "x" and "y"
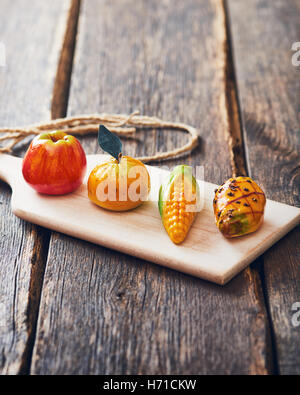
{"x": 178, "y": 203}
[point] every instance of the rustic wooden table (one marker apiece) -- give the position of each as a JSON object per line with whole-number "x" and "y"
{"x": 70, "y": 307}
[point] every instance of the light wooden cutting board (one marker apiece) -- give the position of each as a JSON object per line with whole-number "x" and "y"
{"x": 205, "y": 253}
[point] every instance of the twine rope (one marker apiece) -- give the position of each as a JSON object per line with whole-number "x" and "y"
{"x": 123, "y": 125}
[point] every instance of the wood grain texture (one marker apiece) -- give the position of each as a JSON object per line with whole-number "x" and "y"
{"x": 263, "y": 33}
{"x": 32, "y": 37}
{"x": 102, "y": 311}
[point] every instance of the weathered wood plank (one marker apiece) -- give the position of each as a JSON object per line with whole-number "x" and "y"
{"x": 105, "y": 312}
{"x": 268, "y": 83}
{"x": 32, "y": 36}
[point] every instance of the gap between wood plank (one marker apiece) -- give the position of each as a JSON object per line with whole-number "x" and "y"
{"x": 240, "y": 166}
{"x": 42, "y": 239}
{"x": 258, "y": 266}
{"x": 234, "y": 132}
{"x": 38, "y": 261}
{"x": 62, "y": 83}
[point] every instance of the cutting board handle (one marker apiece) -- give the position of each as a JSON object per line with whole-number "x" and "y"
{"x": 10, "y": 166}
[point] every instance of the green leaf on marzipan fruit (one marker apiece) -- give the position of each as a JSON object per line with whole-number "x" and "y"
{"x": 109, "y": 142}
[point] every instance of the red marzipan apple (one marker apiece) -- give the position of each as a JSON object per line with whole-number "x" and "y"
{"x": 55, "y": 163}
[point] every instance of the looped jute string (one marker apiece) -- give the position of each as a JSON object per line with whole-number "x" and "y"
{"x": 123, "y": 125}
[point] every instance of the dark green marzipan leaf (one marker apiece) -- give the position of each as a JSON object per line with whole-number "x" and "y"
{"x": 109, "y": 142}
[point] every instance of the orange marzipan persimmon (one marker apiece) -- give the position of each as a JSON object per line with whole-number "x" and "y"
{"x": 119, "y": 185}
